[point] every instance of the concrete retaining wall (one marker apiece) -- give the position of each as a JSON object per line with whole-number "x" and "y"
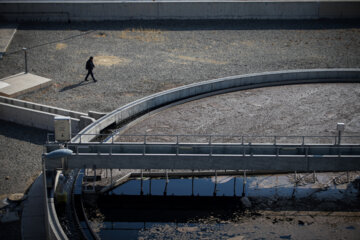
{"x": 41, "y": 107}
{"x": 38, "y": 115}
{"x": 53, "y": 228}
{"x": 216, "y": 86}
{"x": 32, "y": 118}
{"x": 152, "y": 9}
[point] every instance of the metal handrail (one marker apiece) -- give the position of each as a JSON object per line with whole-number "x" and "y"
{"x": 211, "y": 137}
{"x": 211, "y": 147}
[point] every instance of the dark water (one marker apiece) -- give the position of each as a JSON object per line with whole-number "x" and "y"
{"x": 127, "y": 214}
{"x": 176, "y": 203}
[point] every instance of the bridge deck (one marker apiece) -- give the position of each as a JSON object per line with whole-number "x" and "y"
{"x": 151, "y": 155}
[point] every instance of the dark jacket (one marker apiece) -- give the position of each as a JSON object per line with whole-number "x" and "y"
{"x": 90, "y": 65}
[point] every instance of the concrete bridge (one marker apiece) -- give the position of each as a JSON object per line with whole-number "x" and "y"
{"x": 308, "y": 155}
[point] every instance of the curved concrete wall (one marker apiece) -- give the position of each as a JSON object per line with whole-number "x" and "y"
{"x": 216, "y": 86}
{"x": 44, "y": 10}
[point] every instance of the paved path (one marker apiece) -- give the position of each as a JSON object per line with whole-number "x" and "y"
{"x": 33, "y": 216}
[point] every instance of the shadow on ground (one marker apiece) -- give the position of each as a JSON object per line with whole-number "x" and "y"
{"x": 23, "y": 133}
{"x": 82, "y": 83}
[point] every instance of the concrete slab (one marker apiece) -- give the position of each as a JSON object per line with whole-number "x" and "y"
{"x": 22, "y": 83}
{"x": 7, "y": 33}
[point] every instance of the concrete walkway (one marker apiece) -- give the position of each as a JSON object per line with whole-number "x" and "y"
{"x": 33, "y": 216}
{"x": 7, "y": 32}
{"x": 22, "y": 83}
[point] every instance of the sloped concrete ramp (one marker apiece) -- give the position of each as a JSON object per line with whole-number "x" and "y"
{"x": 21, "y": 83}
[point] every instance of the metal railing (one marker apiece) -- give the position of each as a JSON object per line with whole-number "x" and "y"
{"x": 214, "y": 139}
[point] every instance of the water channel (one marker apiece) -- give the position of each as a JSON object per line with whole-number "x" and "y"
{"x": 144, "y": 204}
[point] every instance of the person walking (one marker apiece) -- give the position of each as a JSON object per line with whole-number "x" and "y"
{"x": 90, "y": 66}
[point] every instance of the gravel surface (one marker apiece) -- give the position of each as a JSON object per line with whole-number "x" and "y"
{"x": 135, "y": 59}
{"x": 20, "y": 151}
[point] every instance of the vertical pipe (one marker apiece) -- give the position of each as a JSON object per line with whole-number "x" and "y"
{"x": 149, "y": 182}
{"x": 215, "y": 183}
{"x": 25, "y": 57}
{"x": 111, "y": 179}
{"x": 314, "y": 177}
{"x": 234, "y": 186}
{"x": 150, "y": 186}
{"x": 141, "y": 183}
{"x": 94, "y": 178}
{"x": 244, "y": 184}
{"x": 166, "y": 183}
{"x": 339, "y": 139}
{"x": 192, "y": 184}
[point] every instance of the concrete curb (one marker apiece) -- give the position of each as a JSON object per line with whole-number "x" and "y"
{"x": 195, "y": 10}
{"x": 142, "y": 106}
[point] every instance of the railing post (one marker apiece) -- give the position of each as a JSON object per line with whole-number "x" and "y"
{"x": 177, "y": 145}
{"x": 251, "y": 152}
{"x": 274, "y": 140}
{"x": 210, "y": 144}
{"x": 144, "y": 147}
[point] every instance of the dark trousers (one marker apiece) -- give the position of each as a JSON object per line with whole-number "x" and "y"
{"x": 90, "y": 73}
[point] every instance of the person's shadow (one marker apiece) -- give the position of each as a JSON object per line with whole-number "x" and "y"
{"x": 75, "y": 85}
